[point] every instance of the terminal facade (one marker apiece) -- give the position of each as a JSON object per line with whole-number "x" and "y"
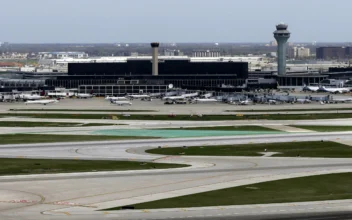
{"x": 184, "y": 72}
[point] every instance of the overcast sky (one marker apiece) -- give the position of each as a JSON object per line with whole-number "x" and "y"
{"x": 109, "y": 21}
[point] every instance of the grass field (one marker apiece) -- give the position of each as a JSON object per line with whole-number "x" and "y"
{"x": 321, "y": 128}
{"x": 46, "y": 124}
{"x": 80, "y": 110}
{"x": 226, "y": 128}
{"x": 186, "y": 117}
{"x": 49, "y": 138}
{"x": 288, "y": 149}
{"x": 303, "y": 189}
{"x": 9, "y": 166}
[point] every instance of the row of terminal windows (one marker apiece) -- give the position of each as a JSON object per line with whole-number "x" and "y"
{"x": 299, "y": 81}
{"x": 177, "y": 83}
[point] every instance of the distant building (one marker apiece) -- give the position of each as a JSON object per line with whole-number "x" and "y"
{"x": 349, "y": 52}
{"x": 292, "y": 52}
{"x": 303, "y": 52}
{"x": 273, "y": 43}
{"x": 62, "y": 55}
{"x": 134, "y": 54}
{"x": 298, "y": 52}
{"x": 206, "y": 53}
{"x": 168, "y": 52}
{"x": 272, "y": 54}
{"x": 333, "y": 53}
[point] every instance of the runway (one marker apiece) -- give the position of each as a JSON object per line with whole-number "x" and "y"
{"x": 80, "y": 195}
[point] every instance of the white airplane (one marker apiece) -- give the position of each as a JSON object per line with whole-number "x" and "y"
{"x": 84, "y": 95}
{"x": 342, "y": 100}
{"x": 154, "y": 94}
{"x": 112, "y": 98}
{"x": 174, "y": 98}
{"x": 272, "y": 101}
{"x": 120, "y": 103}
{"x": 60, "y": 94}
{"x": 334, "y": 90}
{"x": 189, "y": 95}
{"x": 30, "y": 97}
{"x": 311, "y": 88}
{"x": 302, "y": 101}
{"x": 207, "y": 95}
{"x": 44, "y": 102}
{"x": 245, "y": 102}
{"x": 138, "y": 96}
{"x": 205, "y": 100}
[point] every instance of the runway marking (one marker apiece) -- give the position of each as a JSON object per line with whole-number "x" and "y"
{"x": 106, "y": 213}
{"x": 20, "y": 201}
{"x": 70, "y": 204}
{"x": 20, "y": 156}
{"x": 67, "y": 213}
{"x": 145, "y": 210}
{"x": 42, "y": 199}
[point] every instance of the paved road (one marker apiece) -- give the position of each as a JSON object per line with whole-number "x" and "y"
{"x": 78, "y": 196}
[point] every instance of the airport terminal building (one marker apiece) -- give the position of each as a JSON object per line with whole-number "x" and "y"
{"x": 128, "y": 72}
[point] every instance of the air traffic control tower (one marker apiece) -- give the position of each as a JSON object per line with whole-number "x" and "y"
{"x": 281, "y": 35}
{"x": 155, "y": 59}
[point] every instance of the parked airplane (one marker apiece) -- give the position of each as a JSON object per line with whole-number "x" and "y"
{"x": 311, "y": 88}
{"x": 154, "y": 94}
{"x": 272, "y": 101}
{"x": 112, "y": 98}
{"x": 174, "y": 98}
{"x": 207, "y": 95}
{"x": 120, "y": 103}
{"x": 44, "y": 102}
{"x": 334, "y": 90}
{"x": 189, "y": 95}
{"x": 342, "y": 100}
{"x": 302, "y": 101}
{"x": 30, "y": 97}
{"x": 138, "y": 96}
{"x": 245, "y": 102}
{"x": 84, "y": 95}
{"x": 205, "y": 100}
{"x": 60, "y": 94}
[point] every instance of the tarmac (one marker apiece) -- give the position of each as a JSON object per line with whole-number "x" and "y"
{"x": 159, "y": 107}
{"x": 81, "y": 195}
